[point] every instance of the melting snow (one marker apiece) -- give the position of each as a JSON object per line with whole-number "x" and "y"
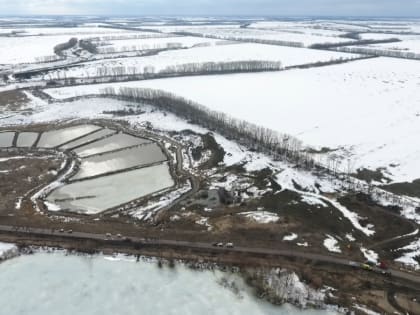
{"x": 332, "y": 244}
{"x": 263, "y": 217}
{"x": 290, "y": 237}
{"x": 370, "y": 255}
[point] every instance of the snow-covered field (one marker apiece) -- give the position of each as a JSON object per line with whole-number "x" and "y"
{"x": 288, "y": 56}
{"x": 306, "y": 39}
{"x": 408, "y": 44}
{"x": 155, "y": 43}
{"x": 369, "y": 110}
{"x": 25, "y": 49}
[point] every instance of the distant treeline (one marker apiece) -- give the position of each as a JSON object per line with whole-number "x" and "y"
{"x": 245, "y": 40}
{"x": 111, "y": 49}
{"x": 88, "y": 46}
{"x": 355, "y": 43}
{"x": 380, "y": 52}
{"x": 64, "y": 46}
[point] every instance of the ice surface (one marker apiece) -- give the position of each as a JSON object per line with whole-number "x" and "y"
{"x": 116, "y": 142}
{"x": 96, "y": 135}
{"x": 26, "y": 139}
{"x": 6, "y": 139}
{"x": 99, "y": 194}
{"x": 116, "y": 161}
{"x": 65, "y": 284}
{"x": 54, "y": 138}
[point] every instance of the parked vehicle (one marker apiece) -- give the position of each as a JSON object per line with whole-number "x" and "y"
{"x": 61, "y": 230}
{"x": 70, "y": 231}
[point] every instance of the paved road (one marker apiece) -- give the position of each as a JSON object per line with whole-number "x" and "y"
{"x": 415, "y": 278}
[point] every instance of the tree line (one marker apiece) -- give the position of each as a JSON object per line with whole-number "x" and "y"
{"x": 113, "y": 49}
{"x": 244, "y": 40}
{"x": 380, "y": 52}
{"x": 148, "y": 71}
{"x": 60, "y": 48}
{"x": 361, "y": 42}
{"x": 254, "y": 137}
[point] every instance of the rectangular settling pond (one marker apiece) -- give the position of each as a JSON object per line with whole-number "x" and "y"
{"x": 99, "y": 194}
{"x": 26, "y": 139}
{"x": 86, "y": 139}
{"x": 116, "y": 142}
{"x": 120, "y": 160}
{"x": 54, "y": 138}
{"x": 6, "y": 139}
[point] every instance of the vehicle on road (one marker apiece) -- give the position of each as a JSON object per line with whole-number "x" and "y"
{"x": 367, "y": 267}
{"x": 229, "y": 245}
{"x": 61, "y": 230}
{"x": 383, "y": 265}
{"x": 218, "y": 244}
{"x": 70, "y": 231}
{"x": 354, "y": 264}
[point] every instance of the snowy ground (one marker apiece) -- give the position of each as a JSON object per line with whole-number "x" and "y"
{"x": 372, "y": 107}
{"x": 155, "y": 43}
{"x": 25, "y": 49}
{"x": 288, "y": 56}
{"x": 7, "y": 250}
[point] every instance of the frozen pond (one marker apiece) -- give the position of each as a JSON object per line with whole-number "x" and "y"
{"x": 43, "y": 284}
{"x": 120, "y": 160}
{"x": 99, "y": 194}
{"x": 26, "y": 139}
{"x": 86, "y": 139}
{"x": 112, "y": 143}
{"x": 54, "y": 138}
{"x": 6, "y": 139}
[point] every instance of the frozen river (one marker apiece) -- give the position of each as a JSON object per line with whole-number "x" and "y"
{"x": 59, "y": 284}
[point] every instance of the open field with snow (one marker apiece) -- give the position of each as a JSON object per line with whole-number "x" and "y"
{"x": 288, "y": 56}
{"x": 315, "y": 155}
{"x": 371, "y": 107}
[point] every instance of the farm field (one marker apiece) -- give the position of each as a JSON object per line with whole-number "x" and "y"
{"x": 379, "y": 99}
{"x": 282, "y": 149}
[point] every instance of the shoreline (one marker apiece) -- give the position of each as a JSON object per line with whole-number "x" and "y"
{"x": 199, "y": 265}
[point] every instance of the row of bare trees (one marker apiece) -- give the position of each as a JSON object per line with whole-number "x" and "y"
{"x": 380, "y": 52}
{"x": 123, "y": 73}
{"x": 361, "y": 42}
{"x": 255, "y": 137}
{"x": 244, "y": 39}
{"x": 157, "y": 46}
{"x": 126, "y": 37}
{"x": 60, "y": 48}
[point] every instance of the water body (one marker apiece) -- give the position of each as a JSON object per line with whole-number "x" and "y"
{"x": 26, "y": 139}
{"x": 6, "y": 139}
{"x": 91, "y": 137}
{"x": 98, "y": 194}
{"x": 116, "y": 142}
{"x": 94, "y": 285}
{"x": 120, "y": 160}
{"x": 55, "y": 138}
